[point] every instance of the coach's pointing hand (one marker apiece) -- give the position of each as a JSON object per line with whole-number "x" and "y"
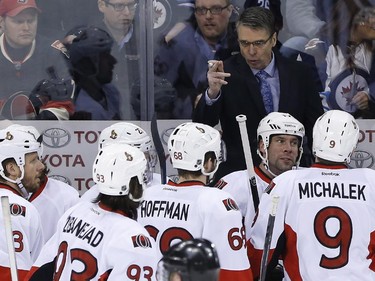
{"x": 216, "y": 77}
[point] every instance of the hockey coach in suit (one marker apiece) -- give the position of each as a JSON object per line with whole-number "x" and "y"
{"x": 237, "y": 86}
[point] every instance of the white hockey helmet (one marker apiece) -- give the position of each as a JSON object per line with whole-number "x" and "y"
{"x": 189, "y": 143}
{"x": 15, "y": 142}
{"x": 115, "y": 165}
{"x": 131, "y": 134}
{"x": 27, "y": 129}
{"x": 335, "y": 136}
{"x": 125, "y": 132}
{"x": 279, "y": 123}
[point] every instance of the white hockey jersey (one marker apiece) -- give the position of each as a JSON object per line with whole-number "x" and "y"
{"x": 27, "y": 234}
{"x": 175, "y": 212}
{"x": 325, "y": 220}
{"x": 93, "y": 192}
{"x": 52, "y": 200}
{"x": 237, "y": 184}
{"x": 94, "y": 243}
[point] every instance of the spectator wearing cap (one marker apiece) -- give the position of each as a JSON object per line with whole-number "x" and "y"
{"x": 24, "y": 55}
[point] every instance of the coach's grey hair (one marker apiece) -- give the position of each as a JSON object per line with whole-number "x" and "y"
{"x": 257, "y": 18}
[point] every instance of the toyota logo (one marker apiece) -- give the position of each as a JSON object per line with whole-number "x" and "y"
{"x": 56, "y": 137}
{"x": 361, "y": 159}
{"x": 165, "y": 135}
{"x": 61, "y": 178}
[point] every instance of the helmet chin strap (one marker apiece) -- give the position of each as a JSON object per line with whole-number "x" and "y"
{"x": 265, "y": 160}
{"x": 211, "y": 174}
{"x": 268, "y": 169}
{"x": 25, "y": 193}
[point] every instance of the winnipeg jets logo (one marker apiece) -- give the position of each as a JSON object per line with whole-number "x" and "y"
{"x": 113, "y": 135}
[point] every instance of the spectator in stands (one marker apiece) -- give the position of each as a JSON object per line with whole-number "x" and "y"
{"x": 182, "y": 59}
{"x": 88, "y": 56}
{"x": 349, "y": 59}
{"x": 302, "y": 22}
{"x": 118, "y": 20}
{"x": 24, "y": 55}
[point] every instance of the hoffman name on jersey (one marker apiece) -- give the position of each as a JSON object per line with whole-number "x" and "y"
{"x": 166, "y": 209}
{"x": 334, "y": 190}
{"x": 83, "y": 230}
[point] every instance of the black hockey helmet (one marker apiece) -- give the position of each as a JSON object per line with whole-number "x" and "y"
{"x": 191, "y": 260}
{"x": 86, "y": 42}
{"x": 54, "y": 88}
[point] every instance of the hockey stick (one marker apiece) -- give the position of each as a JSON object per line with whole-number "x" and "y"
{"x": 159, "y": 149}
{"x": 241, "y": 119}
{"x": 268, "y": 238}
{"x": 9, "y": 237}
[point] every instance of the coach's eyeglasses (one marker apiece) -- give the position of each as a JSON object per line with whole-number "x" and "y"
{"x": 215, "y": 10}
{"x": 256, "y": 44}
{"x": 118, "y": 7}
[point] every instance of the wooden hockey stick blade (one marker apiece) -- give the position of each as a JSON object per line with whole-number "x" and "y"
{"x": 159, "y": 149}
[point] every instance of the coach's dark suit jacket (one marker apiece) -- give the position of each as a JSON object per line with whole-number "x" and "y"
{"x": 298, "y": 96}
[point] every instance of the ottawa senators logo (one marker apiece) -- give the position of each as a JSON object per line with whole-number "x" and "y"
{"x": 141, "y": 241}
{"x": 17, "y": 210}
{"x": 9, "y": 136}
{"x": 128, "y": 156}
{"x": 230, "y": 204}
{"x": 113, "y": 135}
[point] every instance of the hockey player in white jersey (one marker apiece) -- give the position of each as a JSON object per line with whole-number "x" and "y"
{"x": 20, "y": 167}
{"x": 189, "y": 209}
{"x": 52, "y": 197}
{"x": 101, "y": 240}
{"x": 190, "y": 260}
{"x": 280, "y": 138}
{"x": 129, "y": 133}
{"x": 324, "y": 224}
